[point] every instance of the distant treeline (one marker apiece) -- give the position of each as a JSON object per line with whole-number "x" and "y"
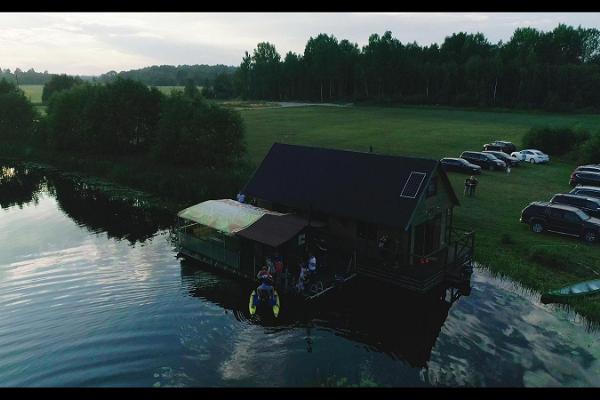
{"x": 30, "y": 77}
{"x": 555, "y": 70}
{"x": 157, "y": 75}
{"x": 169, "y": 75}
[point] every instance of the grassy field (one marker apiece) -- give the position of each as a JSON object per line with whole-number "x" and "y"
{"x": 33, "y": 92}
{"x": 502, "y": 243}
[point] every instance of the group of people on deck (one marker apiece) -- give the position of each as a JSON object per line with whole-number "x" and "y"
{"x": 272, "y": 273}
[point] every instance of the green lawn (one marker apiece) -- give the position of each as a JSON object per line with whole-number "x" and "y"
{"x": 437, "y": 133}
{"x": 33, "y": 92}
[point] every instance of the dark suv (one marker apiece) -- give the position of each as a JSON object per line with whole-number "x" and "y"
{"x": 484, "y": 160}
{"x": 543, "y": 216}
{"x": 460, "y": 165}
{"x": 587, "y": 191}
{"x": 500, "y": 145}
{"x": 584, "y": 178}
{"x": 588, "y": 205}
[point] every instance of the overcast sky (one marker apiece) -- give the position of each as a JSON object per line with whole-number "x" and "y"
{"x": 94, "y": 43}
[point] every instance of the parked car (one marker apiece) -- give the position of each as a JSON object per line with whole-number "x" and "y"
{"x": 500, "y": 145}
{"x": 588, "y": 168}
{"x": 588, "y": 205}
{"x": 567, "y": 220}
{"x": 484, "y": 160}
{"x": 588, "y": 191}
{"x": 460, "y": 165}
{"x": 531, "y": 156}
{"x": 584, "y": 178}
{"x": 508, "y": 159}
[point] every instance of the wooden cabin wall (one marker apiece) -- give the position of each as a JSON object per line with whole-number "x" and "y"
{"x": 247, "y": 258}
{"x": 431, "y": 206}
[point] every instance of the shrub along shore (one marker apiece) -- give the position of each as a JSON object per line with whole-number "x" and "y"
{"x": 178, "y": 146}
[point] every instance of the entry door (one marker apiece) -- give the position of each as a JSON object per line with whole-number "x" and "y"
{"x": 427, "y": 236}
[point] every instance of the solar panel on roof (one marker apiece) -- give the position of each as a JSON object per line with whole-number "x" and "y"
{"x": 413, "y": 184}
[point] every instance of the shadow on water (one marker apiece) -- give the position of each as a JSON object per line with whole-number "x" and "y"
{"x": 119, "y": 218}
{"x": 99, "y": 213}
{"x": 402, "y": 325}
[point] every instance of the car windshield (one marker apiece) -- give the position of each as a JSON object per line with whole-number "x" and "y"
{"x": 582, "y": 215}
{"x": 490, "y": 156}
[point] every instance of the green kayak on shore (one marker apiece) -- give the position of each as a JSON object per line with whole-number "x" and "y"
{"x": 575, "y": 290}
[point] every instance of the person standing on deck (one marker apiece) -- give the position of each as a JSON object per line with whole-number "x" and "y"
{"x": 312, "y": 263}
{"x": 270, "y": 265}
{"x": 302, "y": 277}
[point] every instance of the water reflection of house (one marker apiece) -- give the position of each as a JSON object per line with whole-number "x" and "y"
{"x": 408, "y": 331}
{"x": 386, "y": 217}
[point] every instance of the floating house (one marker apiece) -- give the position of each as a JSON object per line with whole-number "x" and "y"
{"x": 380, "y": 216}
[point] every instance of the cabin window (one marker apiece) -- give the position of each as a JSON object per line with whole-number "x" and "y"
{"x": 432, "y": 188}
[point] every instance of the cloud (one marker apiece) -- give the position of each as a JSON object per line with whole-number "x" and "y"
{"x": 93, "y": 43}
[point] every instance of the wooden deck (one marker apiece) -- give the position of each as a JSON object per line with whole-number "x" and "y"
{"x": 451, "y": 264}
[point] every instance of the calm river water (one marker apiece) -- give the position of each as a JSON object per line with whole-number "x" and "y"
{"x": 91, "y": 294}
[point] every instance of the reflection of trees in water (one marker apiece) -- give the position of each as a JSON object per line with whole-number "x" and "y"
{"x": 19, "y": 186}
{"x": 404, "y": 326}
{"x": 119, "y": 218}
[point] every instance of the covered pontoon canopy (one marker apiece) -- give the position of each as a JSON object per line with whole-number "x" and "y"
{"x": 274, "y": 230}
{"x": 225, "y": 215}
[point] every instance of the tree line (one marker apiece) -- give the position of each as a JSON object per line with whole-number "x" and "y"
{"x": 170, "y": 75}
{"x": 124, "y": 117}
{"x": 557, "y": 70}
{"x": 30, "y": 77}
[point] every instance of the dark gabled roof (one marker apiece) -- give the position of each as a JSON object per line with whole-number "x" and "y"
{"x": 357, "y": 185}
{"x": 274, "y": 230}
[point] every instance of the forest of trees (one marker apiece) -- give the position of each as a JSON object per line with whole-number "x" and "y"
{"x": 558, "y": 70}
{"x": 17, "y": 114}
{"x": 170, "y": 75}
{"x": 181, "y": 145}
{"x": 31, "y": 77}
{"x": 124, "y": 117}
